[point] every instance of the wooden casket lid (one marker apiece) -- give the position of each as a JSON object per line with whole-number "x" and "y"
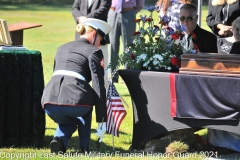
{"x": 211, "y": 64}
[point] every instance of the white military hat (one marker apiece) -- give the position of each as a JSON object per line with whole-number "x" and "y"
{"x": 102, "y": 27}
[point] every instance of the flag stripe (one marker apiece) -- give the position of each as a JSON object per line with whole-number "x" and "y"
{"x": 115, "y": 110}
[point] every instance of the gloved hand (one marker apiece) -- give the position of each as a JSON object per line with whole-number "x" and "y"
{"x": 101, "y": 130}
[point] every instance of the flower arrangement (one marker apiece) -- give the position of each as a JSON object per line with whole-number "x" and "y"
{"x": 155, "y": 46}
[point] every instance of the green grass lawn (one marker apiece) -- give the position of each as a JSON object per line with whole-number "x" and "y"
{"x": 58, "y": 27}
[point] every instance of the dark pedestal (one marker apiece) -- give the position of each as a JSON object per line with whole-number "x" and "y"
{"x": 22, "y": 119}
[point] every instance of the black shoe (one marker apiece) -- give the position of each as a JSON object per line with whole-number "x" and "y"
{"x": 85, "y": 150}
{"x": 56, "y": 146}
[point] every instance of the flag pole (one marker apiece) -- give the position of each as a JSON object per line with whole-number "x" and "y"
{"x": 113, "y": 73}
{"x": 112, "y": 120}
{"x": 113, "y": 138}
{"x": 115, "y": 108}
{"x": 124, "y": 101}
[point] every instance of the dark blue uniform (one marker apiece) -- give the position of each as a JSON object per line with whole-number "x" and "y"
{"x": 68, "y": 96}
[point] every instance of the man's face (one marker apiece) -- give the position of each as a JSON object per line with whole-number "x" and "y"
{"x": 188, "y": 17}
{"x": 236, "y": 32}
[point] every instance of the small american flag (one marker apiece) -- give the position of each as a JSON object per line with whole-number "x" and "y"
{"x": 115, "y": 110}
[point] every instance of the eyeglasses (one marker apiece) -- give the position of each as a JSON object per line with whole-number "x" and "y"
{"x": 189, "y": 18}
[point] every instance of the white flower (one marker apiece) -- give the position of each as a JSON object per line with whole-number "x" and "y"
{"x": 165, "y": 53}
{"x": 141, "y": 57}
{"x": 146, "y": 63}
{"x": 155, "y": 61}
{"x": 158, "y": 56}
{"x": 177, "y": 42}
{"x": 138, "y": 41}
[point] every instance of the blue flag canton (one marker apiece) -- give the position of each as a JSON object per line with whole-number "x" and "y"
{"x": 112, "y": 91}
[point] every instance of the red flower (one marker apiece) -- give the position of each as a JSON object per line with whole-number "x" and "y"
{"x": 163, "y": 23}
{"x": 196, "y": 47}
{"x": 168, "y": 28}
{"x": 137, "y": 20}
{"x": 180, "y": 34}
{"x": 174, "y": 61}
{"x": 132, "y": 56}
{"x": 193, "y": 35}
{"x": 136, "y": 33}
{"x": 175, "y": 36}
{"x": 149, "y": 19}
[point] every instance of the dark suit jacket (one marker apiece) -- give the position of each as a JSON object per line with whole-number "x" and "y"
{"x": 215, "y": 15}
{"x": 235, "y": 48}
{"x": 205, "y": 40}
{"x": 72, "y": 91}
{"x": 98, "y": 9}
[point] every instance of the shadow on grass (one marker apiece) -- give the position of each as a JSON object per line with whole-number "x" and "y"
{"x": 73, "y": 144}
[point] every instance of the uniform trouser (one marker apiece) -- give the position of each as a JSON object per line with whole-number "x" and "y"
{"x": 66, "y": 117}
{"x": 123, "y": 24}
{"x": 84, "y": 130}
{"x": 104, "y": 49}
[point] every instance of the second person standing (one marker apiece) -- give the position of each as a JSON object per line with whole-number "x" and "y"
{"x": 121, "y": 16}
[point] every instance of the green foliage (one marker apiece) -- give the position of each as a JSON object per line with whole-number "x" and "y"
{"x": 177, "y": 147}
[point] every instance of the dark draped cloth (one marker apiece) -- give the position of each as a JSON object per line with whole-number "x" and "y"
{"x": 205, "y": 97}
{"x": 22, "y": 119}
{"x": 152, "y": 92}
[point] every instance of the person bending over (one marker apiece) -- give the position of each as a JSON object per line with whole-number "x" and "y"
{"x": 68, "y": 95}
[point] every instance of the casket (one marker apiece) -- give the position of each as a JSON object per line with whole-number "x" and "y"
{"x": 211, "y": 64}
